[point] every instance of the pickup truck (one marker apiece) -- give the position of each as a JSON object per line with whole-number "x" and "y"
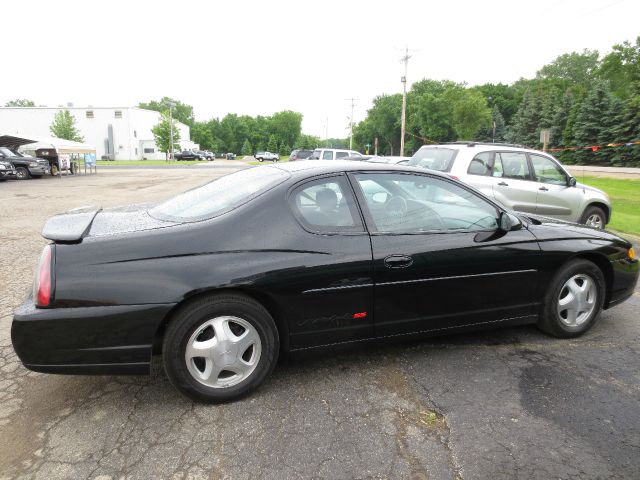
{"x": 187, "y": 155}
{"x": 262, "y": 156}
{"x": 7, "y": 171}
{"x": 26, "y": 167}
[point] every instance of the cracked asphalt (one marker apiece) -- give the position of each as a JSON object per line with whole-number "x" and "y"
{"x": 509, "y": 403}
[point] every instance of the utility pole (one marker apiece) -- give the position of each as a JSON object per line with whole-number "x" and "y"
{"x": 170, "y": 105}
{"x": 403, "y": 121}
{"x": 352, "y": 100}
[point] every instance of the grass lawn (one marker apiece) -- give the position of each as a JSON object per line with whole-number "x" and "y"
{"x": 147, "y": 162}
{"x": 625, "y": 200}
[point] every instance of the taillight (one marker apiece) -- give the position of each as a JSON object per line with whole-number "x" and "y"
{"x": 42, "y": 284}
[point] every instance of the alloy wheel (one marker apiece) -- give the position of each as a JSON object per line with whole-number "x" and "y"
{"x": 223, "y": 351}
{"x": 577, "y": 300}
{"x": 595, "y": 220}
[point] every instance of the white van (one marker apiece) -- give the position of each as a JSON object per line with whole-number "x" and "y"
{"x": 332, "y": 154}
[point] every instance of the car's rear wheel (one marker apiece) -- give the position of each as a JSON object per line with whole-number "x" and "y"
{"x": 22, "y": 173}
{"x": 574, "y": 300}
{"x": 220, "y": 347}
{"x": 594, "y": 217}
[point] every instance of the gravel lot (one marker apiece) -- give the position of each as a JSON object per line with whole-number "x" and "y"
{"x": 503, "y": 404}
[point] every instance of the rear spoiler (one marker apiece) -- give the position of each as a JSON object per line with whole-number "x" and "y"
{"x": 71, "y": 226}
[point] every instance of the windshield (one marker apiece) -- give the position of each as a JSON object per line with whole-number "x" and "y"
{"x": 219, "y": 196}
{"x": 434, "y": 158}
{"x": 6, "y": 152}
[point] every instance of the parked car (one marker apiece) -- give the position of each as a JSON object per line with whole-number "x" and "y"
{"x": 299, "y": 154}
{"x": 230, "y": 156}
{"x": 262, "y": 156}
{"x": 332, "y": 154}
{"x": 25, "y": 166}
{"x": 205, "y": 155}
{"x": 188, "y": 155}
{"x": 7, "y": 171}
{"x": 222, "y": 278}
{"x": 521, "y": 179}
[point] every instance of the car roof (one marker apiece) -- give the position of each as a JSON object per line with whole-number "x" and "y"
{"x": 484, "y": 147}
{"x": 308, "y": 168}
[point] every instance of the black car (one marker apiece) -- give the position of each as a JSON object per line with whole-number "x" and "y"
{"x": 299, "y": 154}
{"x": 7, "y": 171}
{"x": 222, "y": 278}
{"x": 26, "y": 167}
{"x": 187, "y": 155}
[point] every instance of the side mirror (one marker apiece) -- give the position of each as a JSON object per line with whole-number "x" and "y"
{"x": 572, "y": 181}
{"x": 509, "y": 222}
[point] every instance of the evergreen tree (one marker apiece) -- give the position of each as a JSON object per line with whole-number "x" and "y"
{"x": 560, "y": 117}
{"x": 272, "y": 146}
{"x": 247, "y": 148}
{"x": 284, "y": 149}
{"x": 524, "y": 129}
{"x": 64, "y": 126}
{"x": 591, "y": 122}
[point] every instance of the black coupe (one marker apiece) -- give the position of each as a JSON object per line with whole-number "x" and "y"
{"x": 222, "y": 278}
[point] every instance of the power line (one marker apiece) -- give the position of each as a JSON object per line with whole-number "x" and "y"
{"x": 601, "y": 8}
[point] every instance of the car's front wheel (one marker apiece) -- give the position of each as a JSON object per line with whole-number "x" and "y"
{"x": 594, "y": 217}
{"x": 220, "y": 347}
{"x": 22, "y": 173}
{"x": 574, "y": 300}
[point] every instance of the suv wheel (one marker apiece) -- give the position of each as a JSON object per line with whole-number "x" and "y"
{"x": 23, "y": 173}
{"x": 594, "y": 217}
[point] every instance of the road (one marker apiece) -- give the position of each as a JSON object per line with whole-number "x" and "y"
{"x": 510, "y": 403}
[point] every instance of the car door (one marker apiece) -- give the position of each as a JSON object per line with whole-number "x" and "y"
{"x": 439, "y": 260}
{"x": 555, "y": 198}
{"x": 513, "y": 185}
{"x": 334, "y": 298}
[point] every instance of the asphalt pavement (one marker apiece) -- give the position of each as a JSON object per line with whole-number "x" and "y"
{"x": 509, "y": 403}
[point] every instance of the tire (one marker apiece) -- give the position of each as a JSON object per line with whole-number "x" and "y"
{"x": 202, "y": 321}
{"x": 588, "y": 293}
{"x": 261, "y": 159}
{"x": 594, "y": 217}
{"x": 23, "y": 173}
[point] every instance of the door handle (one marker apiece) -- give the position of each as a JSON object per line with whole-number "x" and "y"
{"x": 398, "y": 261}
{"x": 504, "y": 184}
{"x": 544, "y": 189}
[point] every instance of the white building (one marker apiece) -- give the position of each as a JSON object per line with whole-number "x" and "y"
{"x": 122, "y": 133}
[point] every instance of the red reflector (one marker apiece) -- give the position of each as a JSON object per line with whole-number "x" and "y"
{"x": 454, "y": 177}
{"x": 360, "y": 315}
{"x": 42, "y": 287}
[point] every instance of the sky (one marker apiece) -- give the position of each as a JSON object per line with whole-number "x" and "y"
{"x": 260, "y": 57}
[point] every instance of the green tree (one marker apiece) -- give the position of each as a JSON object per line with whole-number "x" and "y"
{"x": 576, "y": 68}
{"x": 247, "y": 148}
{"x": 470, "y": 113}
{"x": 284, "y": 149}
{"x": 162, "y": 134}
{"x": 286, "y": 126}
{"x": 64, "y": 126}
{"x": 20, "y": 102}
{"x": 621, "y": 68}
{"x": 181, "y": 112}
{"x": 272, "y": 146}
{"x": 202, "y": 135}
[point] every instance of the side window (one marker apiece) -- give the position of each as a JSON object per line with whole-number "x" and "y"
{"x": 327, "y": 155}
{"x": 514, "y": 165}
{"x": 326, "y": 206}
{"x": 341, "y": 154}
{"x": 480, "y": 165}
{"x": 547, "y": 171}
{"x": 406, "y": 203}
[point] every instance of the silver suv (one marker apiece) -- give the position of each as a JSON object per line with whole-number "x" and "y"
{"x": 521, "y": 179}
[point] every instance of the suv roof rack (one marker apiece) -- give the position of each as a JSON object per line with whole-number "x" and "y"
{"x": 473, "y": 144}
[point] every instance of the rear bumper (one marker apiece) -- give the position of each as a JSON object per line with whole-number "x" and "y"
{"x": 8, "y": 174}
{"x": 87, "y": 340}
